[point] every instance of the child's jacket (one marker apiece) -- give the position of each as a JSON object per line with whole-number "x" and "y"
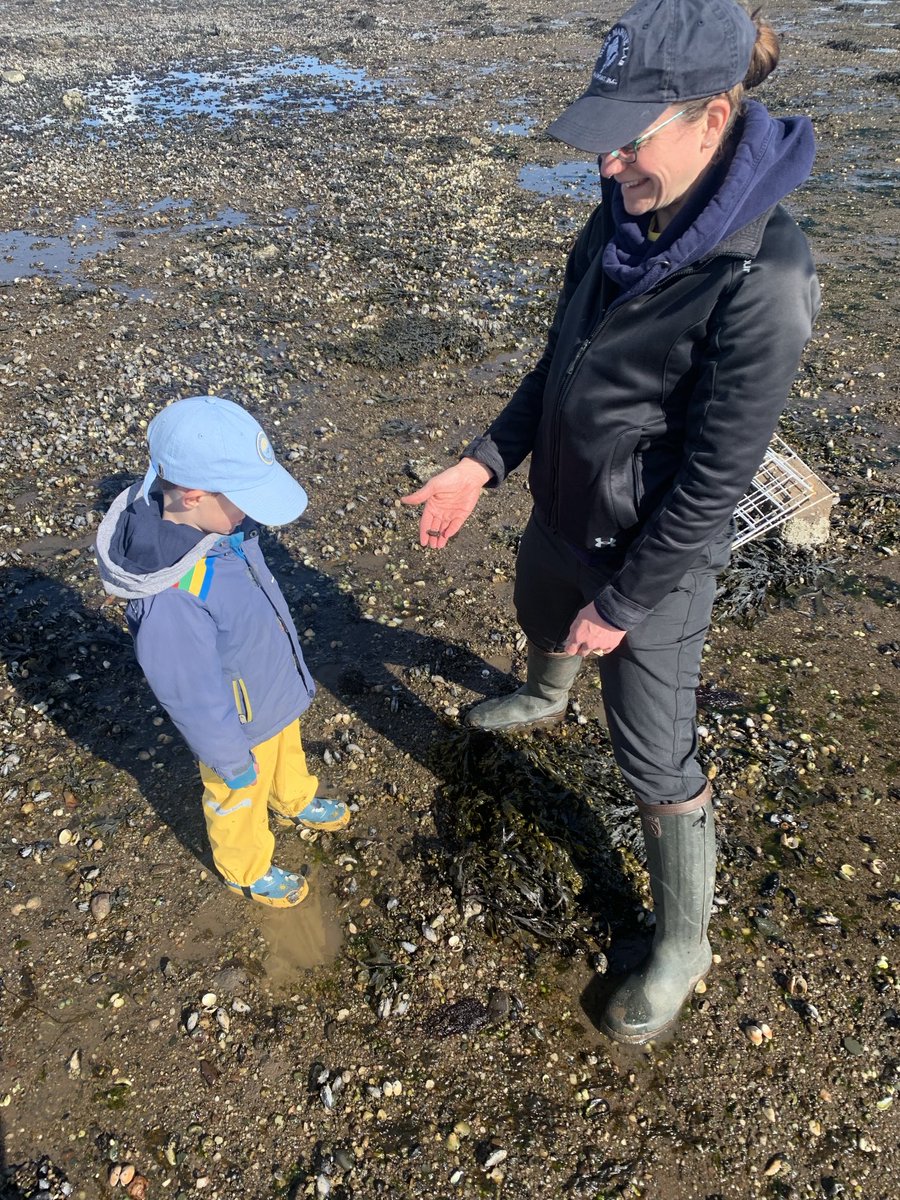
{"x": 212, "y": 631}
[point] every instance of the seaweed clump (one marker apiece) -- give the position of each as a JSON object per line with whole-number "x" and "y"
{"x": 768, "y": 569}
{"x": 409, "y": 339}
{"x": 534, "y": 832}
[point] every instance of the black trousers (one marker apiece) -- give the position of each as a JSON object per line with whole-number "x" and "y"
{"x": 650, "y": 680}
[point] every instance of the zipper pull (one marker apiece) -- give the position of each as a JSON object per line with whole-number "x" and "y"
{"x": 578, "y": 356}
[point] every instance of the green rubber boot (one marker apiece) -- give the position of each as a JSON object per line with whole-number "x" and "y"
{"x": 681, "y": 858}
{"x": 541, "y": 700}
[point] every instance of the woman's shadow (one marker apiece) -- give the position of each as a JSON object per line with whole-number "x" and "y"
{"x": 74, "y": 661}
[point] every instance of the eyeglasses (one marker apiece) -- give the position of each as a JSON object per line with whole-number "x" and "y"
{"x": 629, "y": 152}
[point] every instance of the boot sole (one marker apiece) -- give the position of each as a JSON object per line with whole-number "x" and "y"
{"x": 640, "y": 1039}
{"x": 321, "y": 826}
{"x": 291, "y": 900}
{"x": 521, "y": 726}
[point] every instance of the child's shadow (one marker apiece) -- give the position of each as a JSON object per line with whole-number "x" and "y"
{"x": 78, "y": 661}
{"x": 72, "y": 670}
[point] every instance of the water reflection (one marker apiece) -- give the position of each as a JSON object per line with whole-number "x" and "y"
{"x": 223, "y": 95}
{"x": 24, "y": 253}
{"x": 580, "y": 180}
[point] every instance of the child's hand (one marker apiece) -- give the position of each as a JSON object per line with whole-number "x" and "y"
{"x": 449, "y": 499}
{"x": 246, "y": 778}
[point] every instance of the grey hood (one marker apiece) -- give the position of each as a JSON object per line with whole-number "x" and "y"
{"x": 133, "y": 580}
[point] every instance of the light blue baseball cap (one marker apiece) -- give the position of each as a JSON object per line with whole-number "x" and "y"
{"x": 214, "y": 444}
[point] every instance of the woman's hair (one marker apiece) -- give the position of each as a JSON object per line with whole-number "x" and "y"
{"x": 763, "y": 61}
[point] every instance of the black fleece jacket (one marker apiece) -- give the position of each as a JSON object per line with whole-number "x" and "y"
{"x": 655, "y": 399}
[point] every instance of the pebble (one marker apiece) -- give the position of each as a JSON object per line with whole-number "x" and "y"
{"x": 230, "y": 979}
{"x": 73, "y": 101}
{"x": 344, "y": 1159}
{"x": 12, "y": 76}
{"x": 101, "y": 905}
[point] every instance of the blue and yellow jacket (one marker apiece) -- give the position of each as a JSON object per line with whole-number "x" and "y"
{"x": 212, "y": 631}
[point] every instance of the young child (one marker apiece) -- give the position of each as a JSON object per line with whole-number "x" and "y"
{"x": 212, "y": 631}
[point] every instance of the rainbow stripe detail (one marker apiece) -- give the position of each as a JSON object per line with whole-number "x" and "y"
{"x": 198, "y": 579}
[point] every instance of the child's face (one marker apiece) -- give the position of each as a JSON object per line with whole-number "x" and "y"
{"x": 214, "y": 513}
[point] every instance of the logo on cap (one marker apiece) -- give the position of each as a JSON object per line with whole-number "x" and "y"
{"x": 613, "y": 56}
{"x": 264, "y": 449}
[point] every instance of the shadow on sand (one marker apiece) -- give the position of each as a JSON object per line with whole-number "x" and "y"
{"x": 78, "y": 662}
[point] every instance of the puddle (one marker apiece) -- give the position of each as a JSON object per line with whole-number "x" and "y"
{"x": 301, "y": 938}
{"x": 518, "y": 128}
{"x": 861, "y": 181}
{"x": 24, "y": 254}
{"x": 515, "y": 284}
{"x": 580, "y": 180}
{"x": 874, "y": 181}
{"x": 224, "y": 95}
{"x": 52, "y": 544}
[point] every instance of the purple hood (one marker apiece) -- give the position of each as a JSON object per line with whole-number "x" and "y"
{"x": 771, "y": 158}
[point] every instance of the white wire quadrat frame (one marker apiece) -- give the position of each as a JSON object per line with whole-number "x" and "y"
{"x": 781, "y": 489}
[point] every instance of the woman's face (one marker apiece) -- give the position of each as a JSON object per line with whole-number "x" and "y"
{"x": 668, "y": 164}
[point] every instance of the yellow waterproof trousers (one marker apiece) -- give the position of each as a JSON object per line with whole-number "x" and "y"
{"x": 238, "y": 822}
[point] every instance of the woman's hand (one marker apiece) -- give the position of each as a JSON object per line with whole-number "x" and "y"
{"x": 590, "y": 634}
{"x": 449, "y": 499}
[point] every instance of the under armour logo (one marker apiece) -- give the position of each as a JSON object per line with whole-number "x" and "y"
{"x": 601, "y": 542}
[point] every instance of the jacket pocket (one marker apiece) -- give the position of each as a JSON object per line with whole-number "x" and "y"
{"x": 242, "y": 701}
{"x": 623, "y": 479}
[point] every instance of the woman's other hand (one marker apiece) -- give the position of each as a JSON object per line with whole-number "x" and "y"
{"x": 590, "y": 634}
{"x": 449, "y": 498}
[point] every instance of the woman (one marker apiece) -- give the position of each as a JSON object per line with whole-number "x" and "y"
{"x": 687, "y": 302}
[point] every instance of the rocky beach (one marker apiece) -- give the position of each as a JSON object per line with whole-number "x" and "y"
{"x": 352, "y": 223}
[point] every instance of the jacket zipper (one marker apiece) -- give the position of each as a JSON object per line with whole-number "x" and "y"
{"x": 564, "y": 391}
{"x": 569, "y": 377}
{"x": 254, "y": 577}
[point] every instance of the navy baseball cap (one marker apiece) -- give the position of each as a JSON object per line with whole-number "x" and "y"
{"x": 660, "y": 53}
{"x": 213, "y": 444}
